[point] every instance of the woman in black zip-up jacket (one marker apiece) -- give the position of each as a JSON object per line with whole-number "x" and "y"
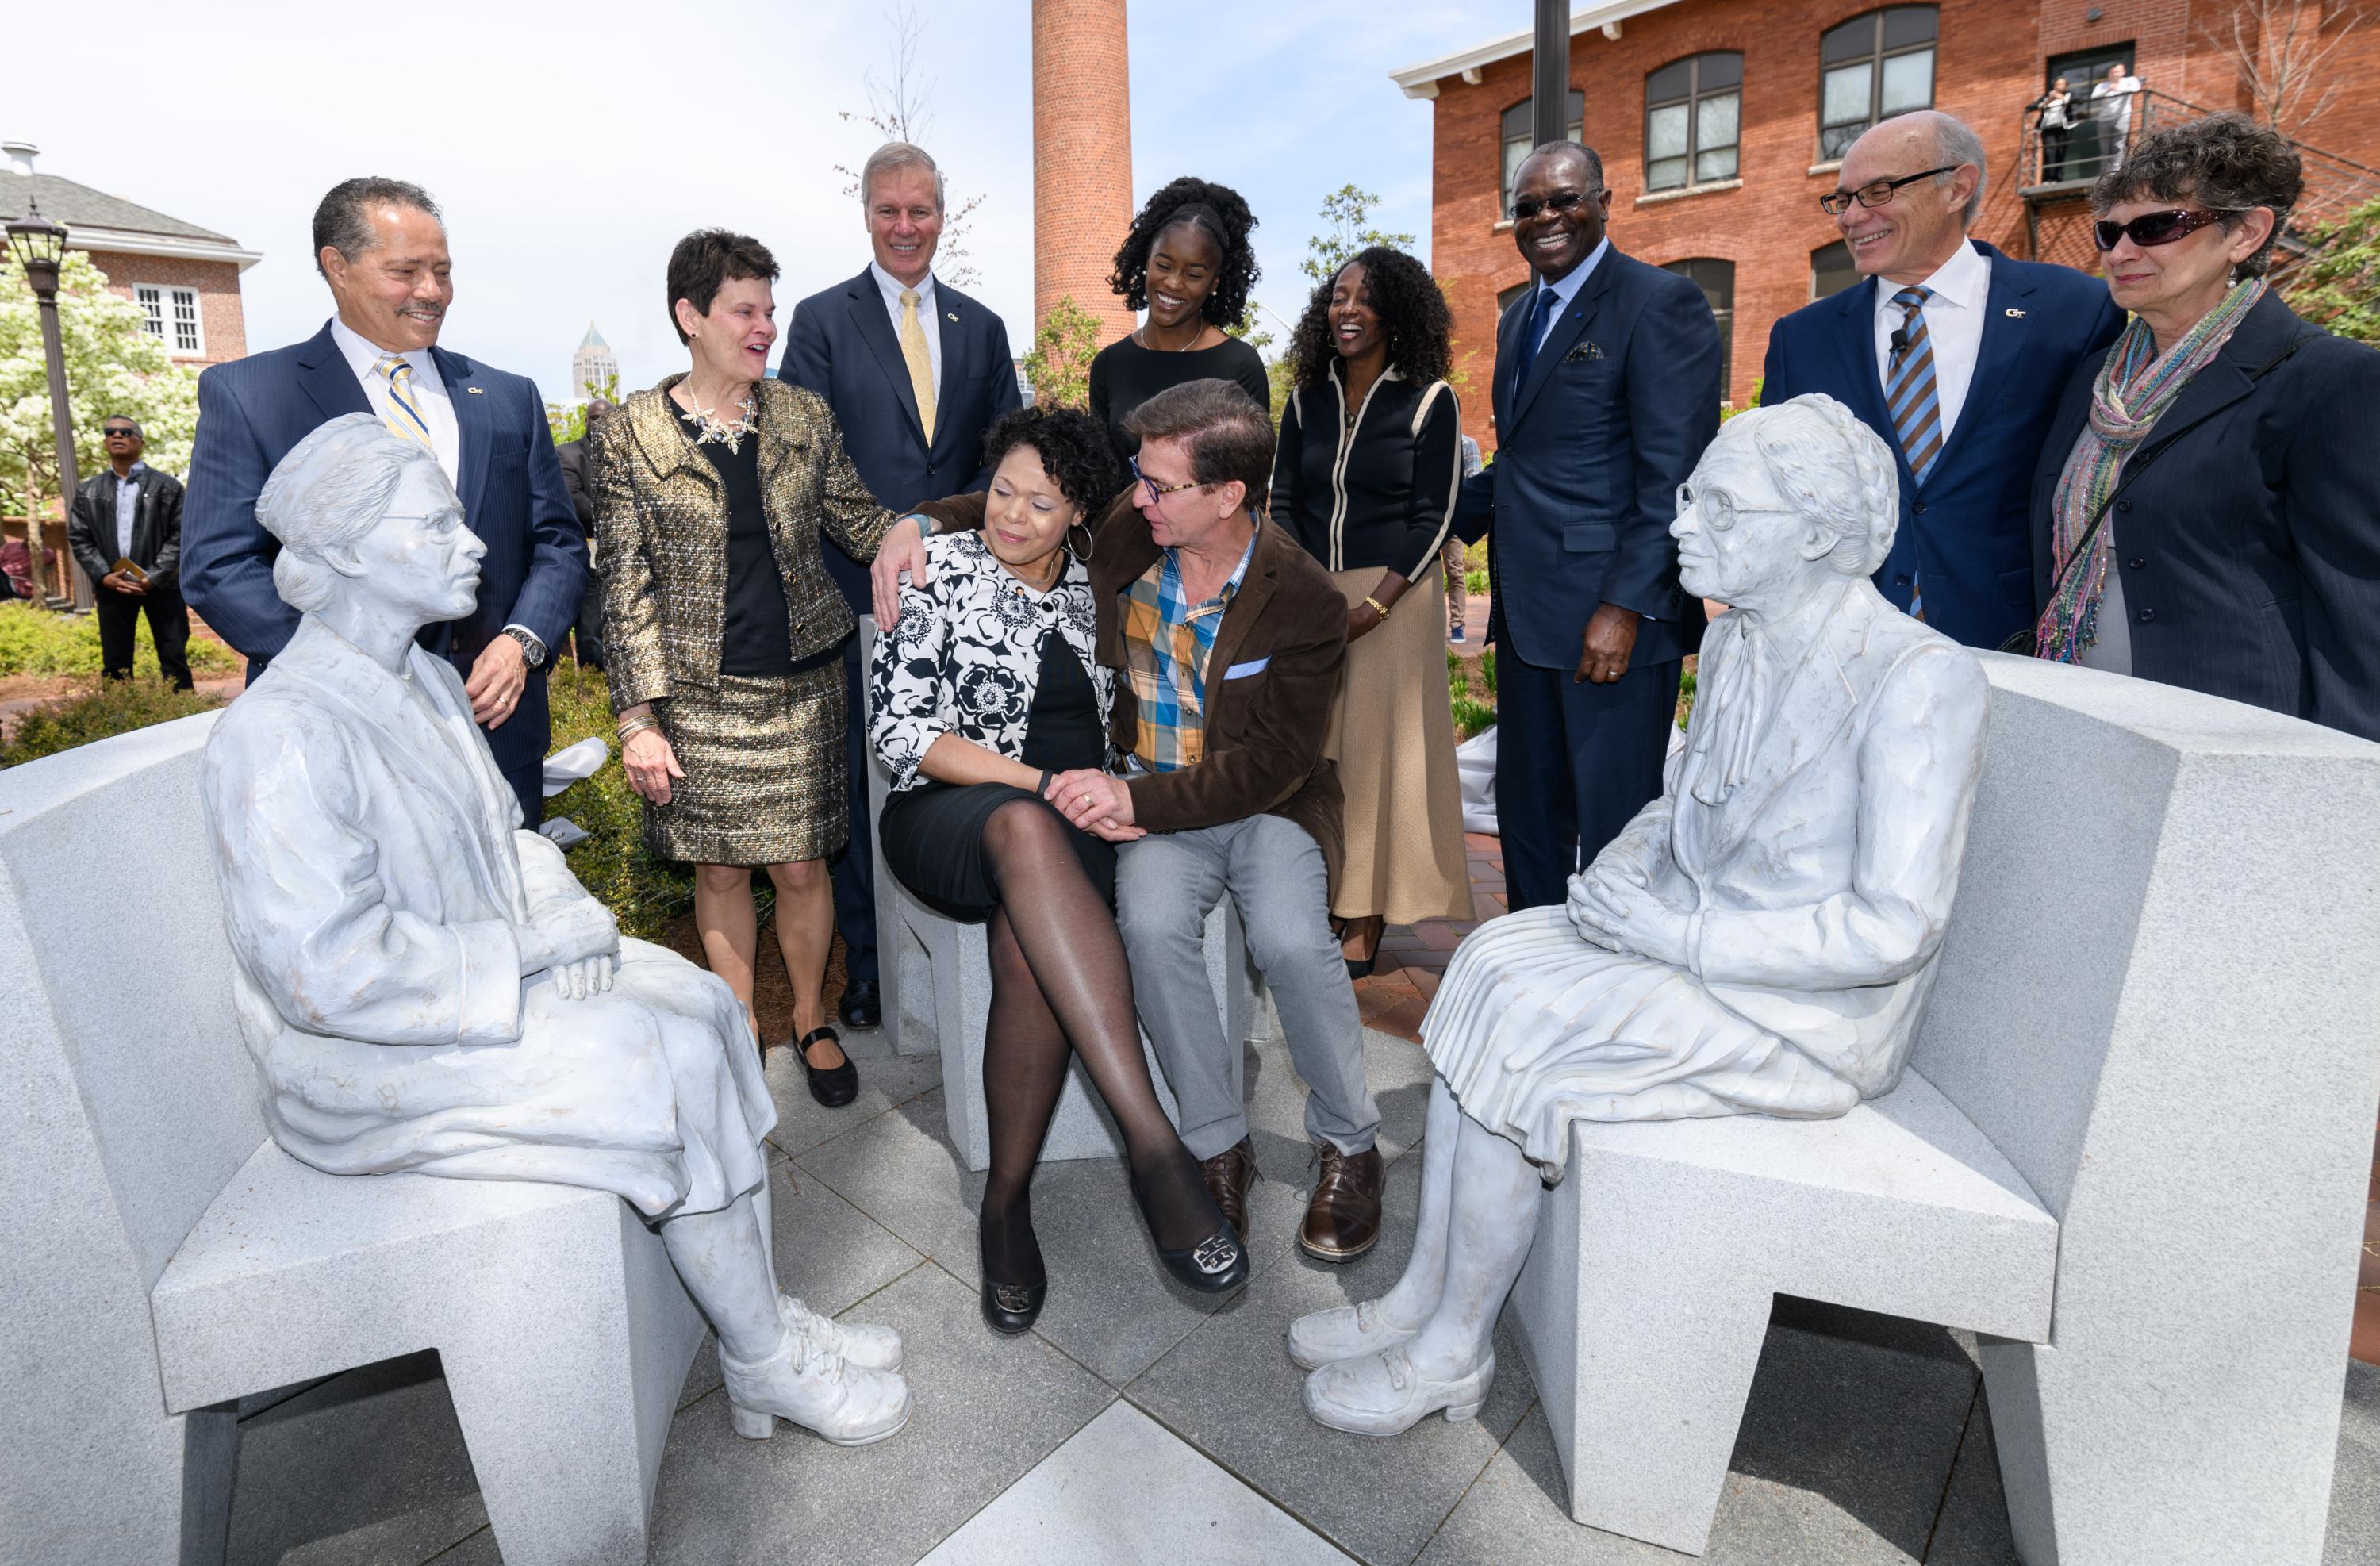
{"x": 1369, "y": 460}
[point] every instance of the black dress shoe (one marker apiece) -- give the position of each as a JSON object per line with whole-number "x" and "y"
{"x": 1011, "y": 1308}
{"x": 1216, "y": 1265}
{"x": 861, "y": 1006}
{"x": 834, "y": 1085}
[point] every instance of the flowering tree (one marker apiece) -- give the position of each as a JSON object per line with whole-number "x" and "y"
{"x": 113, "y": 366}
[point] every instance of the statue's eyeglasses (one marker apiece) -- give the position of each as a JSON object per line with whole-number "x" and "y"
{"x": 1718, "y": 508}
{"x": 1876, "y": 192}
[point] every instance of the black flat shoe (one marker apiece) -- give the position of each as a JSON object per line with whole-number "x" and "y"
{"x": 1011, "y": 1308}
{"x": 1358, "y": 970}
{"x": 834, "y": 1085}
{"x": 1216, "y": 1265}
{"x": 862, "y": 1004}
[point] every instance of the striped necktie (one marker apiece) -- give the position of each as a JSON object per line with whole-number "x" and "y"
{"x": 403, "y": 416}
{"x": 1910, "y": 394}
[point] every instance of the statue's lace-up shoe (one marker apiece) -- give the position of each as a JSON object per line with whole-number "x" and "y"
{"x": 816, "y": 1388}
{"x": 1382, "y": 1394}
{"x": 1341, "y": 1332}
{"x": 870, "y": 1348}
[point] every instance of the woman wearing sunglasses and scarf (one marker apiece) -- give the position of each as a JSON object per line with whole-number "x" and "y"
{"x": 2206, "y": 512}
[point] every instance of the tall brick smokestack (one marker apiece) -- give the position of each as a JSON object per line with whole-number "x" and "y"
{"x": 1081, "y": 157}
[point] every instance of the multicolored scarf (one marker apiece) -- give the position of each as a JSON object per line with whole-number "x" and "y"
{"x": 2134, "y": 388}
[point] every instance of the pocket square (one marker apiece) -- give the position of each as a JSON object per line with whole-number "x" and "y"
{"x": 1253, "y": 666}
{"x": 1581, "y": 353}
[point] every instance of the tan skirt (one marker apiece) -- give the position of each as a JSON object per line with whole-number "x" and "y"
{"x": 1392, "y": 736}
{"x": 764, "y": 763}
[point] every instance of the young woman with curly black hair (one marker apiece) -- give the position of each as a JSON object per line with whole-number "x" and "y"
{"x": 1187, "y": 262}
{"x": 1364, "y": 477}
{"x": 986, "y": 688}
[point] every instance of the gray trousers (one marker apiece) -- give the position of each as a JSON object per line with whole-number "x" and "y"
{"x": 1166, "y": 885}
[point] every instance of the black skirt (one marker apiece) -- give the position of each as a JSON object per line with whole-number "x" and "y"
{"x": 932, "y": 835}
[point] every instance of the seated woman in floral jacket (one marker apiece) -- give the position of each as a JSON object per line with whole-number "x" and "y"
{"x": 987, "y": 688}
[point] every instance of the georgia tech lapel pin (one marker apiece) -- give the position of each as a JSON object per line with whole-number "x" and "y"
{"x": 951, "y": 316}
{"x": 475, "y": 391}
{"x": 2014, "y": 313}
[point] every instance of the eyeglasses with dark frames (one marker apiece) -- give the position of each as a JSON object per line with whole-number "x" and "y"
{"x": 2153, "y": 229}
{"x": 1156, "y": 490}
{"x": 1877, "y": 192}
{"x": 1528, "y": 207}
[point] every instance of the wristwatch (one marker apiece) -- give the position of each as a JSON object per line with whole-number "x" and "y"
{"x": 533, "y": 650}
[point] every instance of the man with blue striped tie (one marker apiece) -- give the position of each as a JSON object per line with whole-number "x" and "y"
{"x": 380, "y": 245}
{"x": 1952, "y": 352}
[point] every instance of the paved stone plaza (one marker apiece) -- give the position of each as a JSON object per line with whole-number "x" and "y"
{"x": 1140, "y": 1422}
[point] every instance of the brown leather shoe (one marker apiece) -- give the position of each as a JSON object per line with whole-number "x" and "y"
{"x": 1229, "y": 1175}
{"x": 1342, "y": 1218}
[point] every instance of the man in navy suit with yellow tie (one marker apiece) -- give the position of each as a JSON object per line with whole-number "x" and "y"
{"x": 916, "y": 372}
{"x": 1956, "y": 355}
{"x": 381, "y": 247}
{"x": 1606, "y": 392}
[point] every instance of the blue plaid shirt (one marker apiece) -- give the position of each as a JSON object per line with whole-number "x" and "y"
{"x": 1166, "y": 643}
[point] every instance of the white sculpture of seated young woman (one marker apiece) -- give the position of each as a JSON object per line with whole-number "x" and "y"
{"x": 424, "y": 986}
{"x": 1761, "y": 938}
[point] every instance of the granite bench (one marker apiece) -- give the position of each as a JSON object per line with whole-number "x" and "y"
{"x": 935, "y": 974}
{"x": 176, "y": 1261}
{"x": 2129, "y": 1154}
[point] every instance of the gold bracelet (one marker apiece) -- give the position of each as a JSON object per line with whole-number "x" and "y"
{"x": 1377, "y": 607}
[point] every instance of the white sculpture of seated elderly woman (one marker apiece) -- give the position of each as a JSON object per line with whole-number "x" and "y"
{"x": 424, "y": 986}
{"x": 1761, "y": 938}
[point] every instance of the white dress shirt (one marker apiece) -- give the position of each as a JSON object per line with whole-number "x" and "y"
{"x": 128, "y": 505}
{"x": 429, "y": 391}
{"x": 1954, "y": 321}
{"x": 1566, "y": 289}
{"x": 927, "y": 322}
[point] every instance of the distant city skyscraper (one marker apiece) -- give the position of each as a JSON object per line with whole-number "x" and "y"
{"x": 594, "y": 369}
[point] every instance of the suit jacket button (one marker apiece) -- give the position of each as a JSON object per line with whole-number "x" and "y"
{"x": 2136, "y": 562}
{"x": 2146, "y": 615}
{"x": 2123, "y": 506}
{"x": 1901, "y": 580}
{"x": 1919, "y": 507}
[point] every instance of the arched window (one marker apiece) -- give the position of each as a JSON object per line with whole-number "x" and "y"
{"x": 1716, "y": 280}
{"x": 1692, "y": 111}
{"x": 1831, "y": 271}
{"x": 1520, "y": 133}
{"x": 1873, "y": 66}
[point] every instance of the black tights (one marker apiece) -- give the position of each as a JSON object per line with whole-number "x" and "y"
{"x": 1060, "y": 986}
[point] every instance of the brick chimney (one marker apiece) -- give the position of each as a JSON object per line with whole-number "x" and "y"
{"x": 1081, "y": 157}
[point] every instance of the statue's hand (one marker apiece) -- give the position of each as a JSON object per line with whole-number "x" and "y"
{"x": 1619, "y": 910}
{"x": 569, "y": 935}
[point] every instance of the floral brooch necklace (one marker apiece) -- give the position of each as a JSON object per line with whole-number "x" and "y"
{"x": 709, "y": 427}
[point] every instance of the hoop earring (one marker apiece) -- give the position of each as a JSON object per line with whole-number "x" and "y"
{"x": 1084, "y": 553}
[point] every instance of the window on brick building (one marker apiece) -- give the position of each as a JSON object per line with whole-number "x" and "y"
{"x": 1831, "y": 271}
{"x": 1872, "y": 68}
{"x": 1519, "y": 140}
{"x": 1692, "y": 111}
{"x": 1716, "y": 280}
{"x": 171, "y": 315}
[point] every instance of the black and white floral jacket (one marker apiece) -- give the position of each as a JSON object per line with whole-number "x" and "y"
{"x": 966, "y": 656}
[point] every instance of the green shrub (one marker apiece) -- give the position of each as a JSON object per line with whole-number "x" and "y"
{"x": 1472, "y": 718}
{"x": 1474, "y": 581}
{"x": 110, "y": 707}
{"x": 1685, "y": 696}
{"x": 35, "y": 641}
{"x": 1487, "y": 670}
{"x": 643, "y": 893}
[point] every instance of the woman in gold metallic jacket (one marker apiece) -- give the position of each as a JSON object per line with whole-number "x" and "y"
{"x": 722, "y": 633}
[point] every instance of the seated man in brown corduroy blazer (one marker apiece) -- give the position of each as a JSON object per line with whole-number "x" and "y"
{"x": 1228, "y": 641}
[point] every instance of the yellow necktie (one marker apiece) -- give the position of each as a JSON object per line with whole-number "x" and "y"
{"x": 403, "y": 415}
{"x": 920, "y": 362}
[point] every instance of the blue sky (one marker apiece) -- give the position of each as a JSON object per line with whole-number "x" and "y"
{"x": 572, "y": 145}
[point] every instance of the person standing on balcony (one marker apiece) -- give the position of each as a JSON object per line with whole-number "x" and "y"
{"x": 2206, "y": 512}
{"x": 2054, "y": 108}
{"x": 2111, "y": 104}
{"x": 1940, "y": 353}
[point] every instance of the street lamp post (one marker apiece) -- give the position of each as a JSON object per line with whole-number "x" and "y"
{"x": 39, "y": 245}
{"x": 1550, "y": 74}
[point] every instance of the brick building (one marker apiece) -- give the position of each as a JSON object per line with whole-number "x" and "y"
{"x": 1746, "y": 104}
{"x": 186, "y": 278}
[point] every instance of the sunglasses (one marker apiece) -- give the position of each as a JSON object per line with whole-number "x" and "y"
{"x": 2153, "y": 228}
{"x": 1876, "y": 191}
{"x": 1528, "y": 207}
{"x": 1156, "y": 491}
{"x": 112, "y": 433}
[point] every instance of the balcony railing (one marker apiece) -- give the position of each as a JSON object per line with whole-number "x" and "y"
{"x": 2055, "y": 175}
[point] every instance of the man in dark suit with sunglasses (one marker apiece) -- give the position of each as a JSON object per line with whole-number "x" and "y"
{"x": 1606, "y": 389}
{"x": 1953, "y": 353}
